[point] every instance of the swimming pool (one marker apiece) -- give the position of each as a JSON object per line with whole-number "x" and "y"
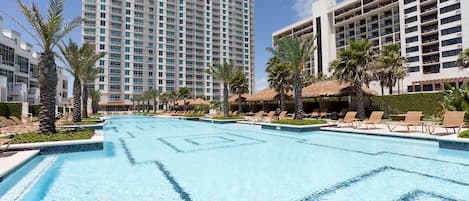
{"x": 169, "y": 159}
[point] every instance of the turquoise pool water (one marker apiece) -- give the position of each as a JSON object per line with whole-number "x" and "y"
{"x": 169, "y": 159}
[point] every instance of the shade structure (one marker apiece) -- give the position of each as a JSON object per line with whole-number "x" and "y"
{"x": 267, "y": 94}
{"x": 234, "y": 98}
{"x": 197, "y": 101}
{"x": 333, "y": 88}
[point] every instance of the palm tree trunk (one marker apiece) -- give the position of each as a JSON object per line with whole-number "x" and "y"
{"x": 148, "y": 105}
{"x": 133, "y": 105}
{"x": 390, "y": 89}
{"x": 382, "y": 88}
{"x": 225, "y": 99}
{"x": 154, "y": 105}
{"x": 47, "y": 76}
{"x": 85, "y": 100}
{"x": 76, "y": 100}
{"x": 282, "y": 100}
{"x": 297, "y": 86}
{"x": 360, "y": 104}
{"x": 240, "y": 101}
{"x": 94, "y": 106}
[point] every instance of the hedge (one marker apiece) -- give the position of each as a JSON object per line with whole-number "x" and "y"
{"x": 34, "y": 109}
{"x": 10, "y": 109}
{"x": 428, "y": 103}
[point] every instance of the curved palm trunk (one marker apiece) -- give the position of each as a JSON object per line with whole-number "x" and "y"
{"x": 360, "y": 104}
{"x": 225, "y": 99}
{"x": 85, "y": 101}
{"x": 47, "y": 84}
{"x": 240, "y": 107}
{"x": 297, "y": 86}
{"x": 76, "y": 100}
{"x": 282, "y": 100}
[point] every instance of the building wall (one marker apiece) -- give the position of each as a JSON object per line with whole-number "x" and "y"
{"x": 167, "y": 44}
{"x": 431, "y": 34}
{"x": 18, "y": 70}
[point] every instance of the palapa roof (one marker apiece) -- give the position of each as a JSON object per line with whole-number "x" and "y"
{"x": 197, "y": 101}
{"x": 234, "y": 98}
{"x": 266, "y": 94}
{"x": 332, "y": 88}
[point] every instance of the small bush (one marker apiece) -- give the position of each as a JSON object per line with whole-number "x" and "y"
{"x": 228, "y": 118}
{"x": 464, "y": 134}
{"x": 15, "y": 109}
{"x": 34, "y": 109}
{"x": 60, "y": 136}
{"x": 300, "y": 122}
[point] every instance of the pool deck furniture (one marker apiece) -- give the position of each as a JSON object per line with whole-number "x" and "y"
{"x": 270, "y": 116}
{"x": 16, "y": 120}
{"x": 375, "y": 118}
{"x": 234, "y": 113}
{"x": 412, "y": 119}
{"x": 282, "y": 115}
{"x": 349, "y": 119}
{"x": 6, "y": 143}
{"x": 315, "y": 113}
{"x": 451, "y": 120}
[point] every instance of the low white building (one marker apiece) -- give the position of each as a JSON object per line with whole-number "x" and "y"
{"x": 18, "y": 71}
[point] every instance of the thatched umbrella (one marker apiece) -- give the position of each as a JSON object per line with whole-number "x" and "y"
{"x": 332, "y": 89}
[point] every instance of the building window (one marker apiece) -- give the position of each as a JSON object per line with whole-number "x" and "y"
{"x": 451, "y": 30}
{"x": 451, "y": 41}
{"x": 451, "y": 53}
{"x": 451, "y": 19}
{"x": 7, "y": 55}
{"x": 450, "y": 8}
{"x": 450, "y": 64}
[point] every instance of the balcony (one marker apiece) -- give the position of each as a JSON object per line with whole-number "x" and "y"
{"x": 431, "y": 69}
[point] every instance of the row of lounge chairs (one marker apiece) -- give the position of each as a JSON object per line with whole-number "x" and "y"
{"x": 16, "y": 125}
{"x": 452, "y": 120}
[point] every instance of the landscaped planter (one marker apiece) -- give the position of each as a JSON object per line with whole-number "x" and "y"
{"x": 294, "y": 128}
{"x": 220, "y": 121}
{"x": 88, "y": 126}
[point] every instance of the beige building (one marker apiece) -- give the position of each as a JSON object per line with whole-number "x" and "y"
{"x": 431, "y": 34}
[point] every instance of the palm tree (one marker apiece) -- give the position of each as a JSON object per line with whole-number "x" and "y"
{"x": 89, "y": 73}
{"x": 354, "y": 65}
{"x": 153, "y": 93}
{"x": 463, "y": 59}
{"x": 293, "y": 52}
{"x": 147, "y": 97}
{"x": 72, "y": 56}
{"x": 391, "y": 66}
{"x": 173, "y": 98}
{"x": 223, "y": 73}
{"x": 164, "y": 98}
{"x": 279, "y": 78}
{"x": 239, "y": 86}
{"x": 137, "y": 99}
{"x": 95, "y": 96}
{"x": 133, "y": 102}
{"x": 184, "y": 93}
{"x": 49, "y": 31}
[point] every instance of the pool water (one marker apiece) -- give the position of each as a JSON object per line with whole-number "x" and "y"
{"x": 170, "y": 159}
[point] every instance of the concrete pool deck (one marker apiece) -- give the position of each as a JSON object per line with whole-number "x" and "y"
{"x": 10, "y": 161}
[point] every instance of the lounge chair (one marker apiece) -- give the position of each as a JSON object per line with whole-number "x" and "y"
{"x": 3, "y": 142}
{"x": 323, "y": 114}
{"x": 412, "y": 119}
{"x": 270, "y": 116}
{"x": 259, "y": 116}
{"x": 452, "y": 120}
{"x": 343, "y": 112}
{"x": 16, "y": 120}
{"x": 315, "y": 113}
{"x": 235, "y": 113}
{"x": 375, "y": 118}
{"x": 348, "y": 119}
{"x": 282, "y": 115}
{"x": 6, "y": 122}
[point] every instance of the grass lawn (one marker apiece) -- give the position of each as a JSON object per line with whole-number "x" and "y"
{"x": 464, "y": 134}
{"x": 68, "y": 123}
{"x": 194, "y": 115}
{"x": 299, "y": 122}
{"x": 228, "y": 118}
{"x": 60, "y": 136}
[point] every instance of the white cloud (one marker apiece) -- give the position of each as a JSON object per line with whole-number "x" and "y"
{"x": 261, "y": 83}
{"x": 303, "y": 8}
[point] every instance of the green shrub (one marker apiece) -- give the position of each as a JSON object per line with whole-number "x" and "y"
{"x": 60, "y": 136}
{"x": 464, "y": 134}
{"x": 4, "y": 110}
{"x": 15, "y": 109}
{"x": 299, "y": 122}
{"x": 428, "y": 103}
{"x": 228, "y": 118}
{"x": 194, "y": 115}
{"x": 34, "y": 109}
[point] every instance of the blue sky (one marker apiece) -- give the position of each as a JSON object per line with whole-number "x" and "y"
{"x": 270, "y": 15}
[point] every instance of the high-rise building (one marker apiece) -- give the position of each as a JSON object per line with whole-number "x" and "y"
{"x": 167, "y": 44}
{"x": 18, "y": 71}
{"x": 431, "y": 34}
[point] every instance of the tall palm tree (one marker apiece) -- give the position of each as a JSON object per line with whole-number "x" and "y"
{"x": 89, "y": 73}
{"x": 133, "y": 102}
{"x": 184, "y": 93}
{"x": 148, "y": 97}
{"x": 95, "y": 96}
{"x": 293, "y": 52}
{"x": 463, "y": 59}
{"x": 223, "y": 73}
{"x": 391, "y": 66}
{"x": 164, "y": 98}
{"x": 137, "y": 99}
{"x": 354, "y": 65}
{"x": 72, "y": 56}
{"x": 153, "y": 93}
{"x": 173, "y": 98}
{"x": 48, "y": 32}
{"x": 239, "y": 85}
{"x": 279, "y": 78}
